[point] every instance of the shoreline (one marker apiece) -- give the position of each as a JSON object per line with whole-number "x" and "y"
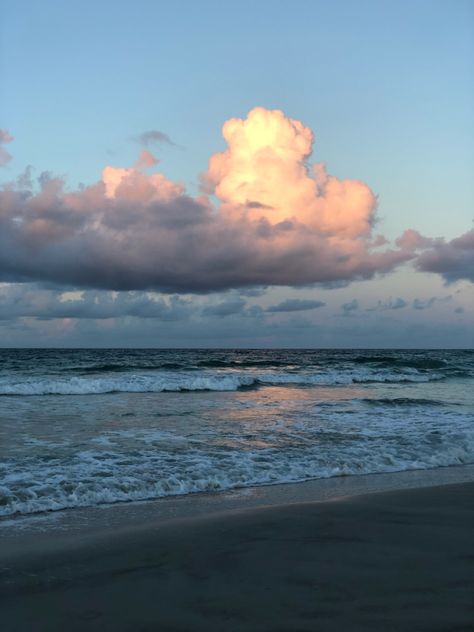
{"x": 394, "y": 560}
{"x": 27, "y": 533}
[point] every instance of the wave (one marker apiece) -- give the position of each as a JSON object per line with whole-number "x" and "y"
{"x": 126, "y": 384}
{"x": 245, "y": 364}
{"x": 177, "y": 366}
{"x": 413, "y": 363}
{"x": 403, "y": 401}
{"x": 385, "y": 362}
{"x": 93, "y": 477}
{"x": 126, "y": 368}
{"x": 162, "y": 382}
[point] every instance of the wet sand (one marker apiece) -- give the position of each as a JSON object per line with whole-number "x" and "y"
{"x": 397, "y": 560}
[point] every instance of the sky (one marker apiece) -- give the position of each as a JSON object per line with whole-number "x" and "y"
{"x": 271, "y": 174}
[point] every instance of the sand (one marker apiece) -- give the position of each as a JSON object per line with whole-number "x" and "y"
{"x": 397, "y": 560}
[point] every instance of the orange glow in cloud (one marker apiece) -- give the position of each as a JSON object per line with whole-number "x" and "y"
{"x": 279, "y": 221}
{"x": 264, "y": 173}
{"x": 133, "y": 184}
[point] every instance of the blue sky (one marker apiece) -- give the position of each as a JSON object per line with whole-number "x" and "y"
{"x": 386, "y": 87}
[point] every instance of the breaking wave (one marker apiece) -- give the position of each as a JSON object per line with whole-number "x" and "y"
{"x": 180, "y": 381}
{"x": 95, "y": 477}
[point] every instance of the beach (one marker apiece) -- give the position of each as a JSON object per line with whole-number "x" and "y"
{"x": 396, "y": 559}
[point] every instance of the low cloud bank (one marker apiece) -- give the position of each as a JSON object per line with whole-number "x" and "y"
{"x": 295, "y": 305}
{"x": 28, "y": 301}
{"x": 391, "y": 304}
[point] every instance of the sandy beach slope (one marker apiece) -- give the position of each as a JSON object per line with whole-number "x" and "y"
{"x": 397, "y": 560}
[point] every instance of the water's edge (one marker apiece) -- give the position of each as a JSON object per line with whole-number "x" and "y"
{"x": 53, "y": 531}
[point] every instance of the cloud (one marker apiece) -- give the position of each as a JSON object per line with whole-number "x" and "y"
{"x": 153, "y": 137}
{"x": 379, "y": 240}
{"x": 278, "y": 221}
{"x": 263, "y": 174}
{"x": 5, "y": 137}
{"x": 146, "y": 159}
{"x": 27, "y": 301}
{"x": 225, "y": 308}
{"x": 413, "y": 240}
{"x": 253, "y": 291}
{"x": 295, "y": 305}
{"x": 453, "y": 260}
{"x": 397, "y": 303}
{"x": 419, "y": 303}
{"x": 349, "y": 308}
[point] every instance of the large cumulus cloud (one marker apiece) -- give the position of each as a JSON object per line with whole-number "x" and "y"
{"x": 277, "y": 221}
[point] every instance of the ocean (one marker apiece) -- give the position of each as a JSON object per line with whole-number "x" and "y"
{"x": 92, "y": 427}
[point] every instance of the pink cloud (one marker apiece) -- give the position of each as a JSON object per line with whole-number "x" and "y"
{"x": 5, "y": 137}
{"x": 146, "y": 160}
{"x": 264, "y": 174}
{"x": 413, "y": 240}
{"x": 279, "y": 221}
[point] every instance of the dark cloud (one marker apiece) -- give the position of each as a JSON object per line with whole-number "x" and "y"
{"x": 149, "y": 235}
{"x": 254, "y": 311}
{"x": 349, "y": 308}
{"x": 397, "y": 303}
{"x": 31, "y": 301}
{"x": 419, "y": 303}
{"x": 27, "y": 301}
{"x": 153, "y": 137}
{"x": 453, "y": 260}
{"x": 253, "y": 291}
{"x": 295, "y": 305}
{"x": 225, "y": 308}
{"x": 49, "y": 317}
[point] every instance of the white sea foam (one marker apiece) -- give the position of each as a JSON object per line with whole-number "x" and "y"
{"x": 94, "y": 476}
{"x": 133, "y": 383}
{"x": 169, "y": 381}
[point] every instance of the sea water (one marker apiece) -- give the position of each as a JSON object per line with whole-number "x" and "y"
{"x": 92, "y": 427}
